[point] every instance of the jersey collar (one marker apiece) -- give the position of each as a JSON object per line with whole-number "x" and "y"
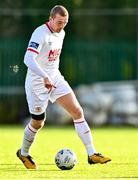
{"x": 49, "y": 27}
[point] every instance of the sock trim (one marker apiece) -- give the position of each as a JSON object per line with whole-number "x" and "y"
{"x": 86, "y": 132}
{"x": 31, "y": 129}
{"x": 78, "y": 122}
{"x": 28, "y": 140}
{"x": 81, "y": 120}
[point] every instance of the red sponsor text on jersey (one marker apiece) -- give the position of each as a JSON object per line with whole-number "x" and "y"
{"x": 53, "y": 54}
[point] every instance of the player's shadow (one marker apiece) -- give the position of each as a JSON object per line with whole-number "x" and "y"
{"x": 124, "y": 163}
{"x": 15, "y": 167}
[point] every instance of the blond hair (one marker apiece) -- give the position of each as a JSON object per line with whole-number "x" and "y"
{"x": 58, "y": 9}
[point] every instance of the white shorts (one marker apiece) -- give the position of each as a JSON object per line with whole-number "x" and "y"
{"x": 37, "y": 94}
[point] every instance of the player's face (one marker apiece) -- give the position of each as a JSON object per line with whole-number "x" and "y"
{"x": 58, "y": 22}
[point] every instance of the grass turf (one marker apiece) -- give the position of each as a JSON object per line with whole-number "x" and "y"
{"x": 120, "y": 143}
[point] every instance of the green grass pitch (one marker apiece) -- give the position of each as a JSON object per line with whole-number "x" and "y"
{"x": 119, "y": 143}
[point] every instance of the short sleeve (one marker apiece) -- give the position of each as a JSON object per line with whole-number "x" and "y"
{"x": 36, "y": 41}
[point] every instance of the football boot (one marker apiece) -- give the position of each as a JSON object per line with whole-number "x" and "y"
{"x": 26, "y": 160}
{"x": 98, "y": 158}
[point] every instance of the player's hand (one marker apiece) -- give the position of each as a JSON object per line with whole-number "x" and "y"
{"x": 48, "y": 84}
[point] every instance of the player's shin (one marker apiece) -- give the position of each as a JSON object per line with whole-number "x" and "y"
{"x": 29, "y": 137}
{"x": 85, "y": 135}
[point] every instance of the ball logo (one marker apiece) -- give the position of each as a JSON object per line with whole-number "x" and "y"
{"x": 65, "y": 159}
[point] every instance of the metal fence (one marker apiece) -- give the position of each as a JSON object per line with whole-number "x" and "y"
{"x": 88, "y": 62}
{"x": 81, "y": 62}
{"x": 12, "y": 69}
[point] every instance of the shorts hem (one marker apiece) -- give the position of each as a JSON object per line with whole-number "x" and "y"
{"x": 53, "y": 100}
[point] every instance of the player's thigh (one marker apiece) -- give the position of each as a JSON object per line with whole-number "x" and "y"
{"x": 37, "y": 101}
{"x": 70, "y": 103}
{"x": 69, "y": 100}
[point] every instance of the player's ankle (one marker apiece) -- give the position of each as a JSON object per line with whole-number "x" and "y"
{"x": 24, "y": 153}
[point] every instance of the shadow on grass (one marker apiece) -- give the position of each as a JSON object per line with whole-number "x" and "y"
{"x": 7, "y": 167}
{"x": 18, "y": 167}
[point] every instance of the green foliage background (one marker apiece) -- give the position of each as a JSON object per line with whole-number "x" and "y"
{"x": 112, "y": 27}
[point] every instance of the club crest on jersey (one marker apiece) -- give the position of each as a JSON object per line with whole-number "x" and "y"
{"x": 33, "y": 45}
{"x": 38, "y": 109}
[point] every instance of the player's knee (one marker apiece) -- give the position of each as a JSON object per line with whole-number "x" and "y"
{"x": 78, "y": 112}
{"x": 37, "y": 124}
{"x": 38, "y": 120}
{"x": 38, "y": 117}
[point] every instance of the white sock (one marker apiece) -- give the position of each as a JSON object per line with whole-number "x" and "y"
{"x": 29, "y": 136}
{"x": 85, "y": 135}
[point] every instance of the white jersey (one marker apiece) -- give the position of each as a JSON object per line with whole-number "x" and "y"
{"x": 42, "y": 60}
{"x": 47, "y": 47}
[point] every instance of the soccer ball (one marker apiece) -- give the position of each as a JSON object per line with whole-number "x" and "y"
{"x": 65, "y": 159}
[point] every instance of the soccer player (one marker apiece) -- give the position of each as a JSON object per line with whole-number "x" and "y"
{"x": 44, "y": 82}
